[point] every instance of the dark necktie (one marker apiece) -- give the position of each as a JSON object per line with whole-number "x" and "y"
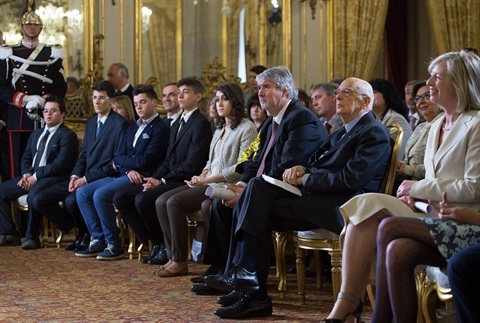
{"x": 328, "y": 127}
{"x": 261, "y": 168}
{"x": 41, "y": 149}
{"x": 117, "y": 93}
{"x": 182, "y": 122}
{"x": 99, "y": 128}
{"x": 337, "y": 136}
{"x": 169, "y": 120}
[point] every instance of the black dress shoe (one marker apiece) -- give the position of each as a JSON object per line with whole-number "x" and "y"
{"x": 81, "y": 243}
{"x": 236, "y": 278}
{"x": 153, "y": 252}
{"x": 246, "y": 307}
{"x": 211, "y": 270}
{"x": 203, "y": 289}
{"x": 160, "y": 258}
{"x": 229, "y": 299}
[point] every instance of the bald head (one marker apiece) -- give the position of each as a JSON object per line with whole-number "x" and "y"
{"x": 355, "y": 96}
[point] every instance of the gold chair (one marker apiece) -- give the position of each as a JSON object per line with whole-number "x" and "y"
{"x": 194, "y": 220}
{"x": 432, "y": 285}
{"x": 20, "y": 204}
{"x": 321, "y": 239}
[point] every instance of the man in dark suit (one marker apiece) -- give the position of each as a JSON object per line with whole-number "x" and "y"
{"x": 170, "y": 103}
{"x": 103, "y": 138}
{"x": 298, "y": 135}
{"x": 29, "y": 73}
{"x": 144, "y": 146}
{"x": 352, "y": 161}
{"x": 117, "y": 74}
{"x": 48, "y": 159}
{"x": 187, "y": 156}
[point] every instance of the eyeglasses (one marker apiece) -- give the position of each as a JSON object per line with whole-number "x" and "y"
{"x": 424, "y": 96}
{"x": 51, "y": 111}
{"x": 100, "y": 97}
{"x": 347, "y": 92}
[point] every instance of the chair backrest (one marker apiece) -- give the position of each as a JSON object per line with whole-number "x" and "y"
{"x": 396, "y": 137}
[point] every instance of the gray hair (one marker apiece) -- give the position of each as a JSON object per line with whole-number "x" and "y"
{"x": 328, "y": 88}
{"x": 121, "y": 67}
{"x": 282, "y": 78}
{"x": 463, "y": 69}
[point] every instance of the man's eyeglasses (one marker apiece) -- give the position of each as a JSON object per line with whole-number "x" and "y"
{"x": 424, "y": 96}
{"x": 100, "y": 97}
{"x": 347, "y": 92}
{"x": 51, "y": 111}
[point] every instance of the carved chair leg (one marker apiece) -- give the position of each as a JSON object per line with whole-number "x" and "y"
{"x": 336, "y": 260}
{"x": 300, "y": 253}
{"x": 280, "y": 248}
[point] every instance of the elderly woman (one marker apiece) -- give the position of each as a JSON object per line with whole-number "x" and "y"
{"x": 412, "y": 165}
{"x": 451, "y": 166}
{"x": 234, "y": 133}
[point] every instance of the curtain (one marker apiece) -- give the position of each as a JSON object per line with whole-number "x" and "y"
{"x": 358, "y": 26}
{"x": 161, "y": 42}
{"x": 233, "y": 30}
{"x": 455, "y": 24}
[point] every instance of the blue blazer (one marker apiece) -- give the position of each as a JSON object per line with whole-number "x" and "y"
{"x": 62, "y": 152}
{"x": 148, "y": 153}
{"x": 96, "y": 155}
{"x": 298, "y": 136}
{"x": 188, "y": 152}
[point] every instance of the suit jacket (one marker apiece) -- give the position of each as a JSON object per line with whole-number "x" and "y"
{"x": 17, "y": 117}
{"x": 62, "y": 152}
{"x": 453, "y": 167}
{"x": 96, "y": 155}
{"x": 188, "y": 152}
{"x": 297, "y": 137}
{"x": 149, "y": 151}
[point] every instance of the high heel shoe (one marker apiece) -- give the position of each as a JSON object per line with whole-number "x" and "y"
{"x": 357, "y": 313}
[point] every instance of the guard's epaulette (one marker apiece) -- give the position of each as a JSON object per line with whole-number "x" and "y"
{"x": 5, "y": 51}
{"x": 57, "y": 51}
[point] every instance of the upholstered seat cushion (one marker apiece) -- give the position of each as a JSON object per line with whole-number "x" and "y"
{"x": 22, "y": 200}
{"x": 318, "y": 234}
{"x": 439, "y": 275}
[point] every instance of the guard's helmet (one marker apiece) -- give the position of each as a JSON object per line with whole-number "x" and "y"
{"x": 31, "y": 18}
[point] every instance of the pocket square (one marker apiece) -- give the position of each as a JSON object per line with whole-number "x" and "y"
{"x": 145, "y": 136}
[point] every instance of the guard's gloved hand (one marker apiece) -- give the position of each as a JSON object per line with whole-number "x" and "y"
{"x": 32, "y": 102}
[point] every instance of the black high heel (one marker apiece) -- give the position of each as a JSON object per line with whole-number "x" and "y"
{"x": 357, "y": 313}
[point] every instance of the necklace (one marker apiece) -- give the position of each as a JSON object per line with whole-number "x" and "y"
{"x": 446, "y": 129}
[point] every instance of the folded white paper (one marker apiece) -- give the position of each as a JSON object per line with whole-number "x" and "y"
{"x": 282, "y": 184}
{"x": 219, "y": 193}
{"x": 423, "y": 207}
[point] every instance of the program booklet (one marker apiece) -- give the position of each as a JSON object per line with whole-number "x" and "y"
{"x": 282, "y": 184}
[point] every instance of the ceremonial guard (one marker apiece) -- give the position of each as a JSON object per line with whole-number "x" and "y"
{"x": 29, "y": 73}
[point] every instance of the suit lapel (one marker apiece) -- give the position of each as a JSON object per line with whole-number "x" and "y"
{"x": 456, "y": 133}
